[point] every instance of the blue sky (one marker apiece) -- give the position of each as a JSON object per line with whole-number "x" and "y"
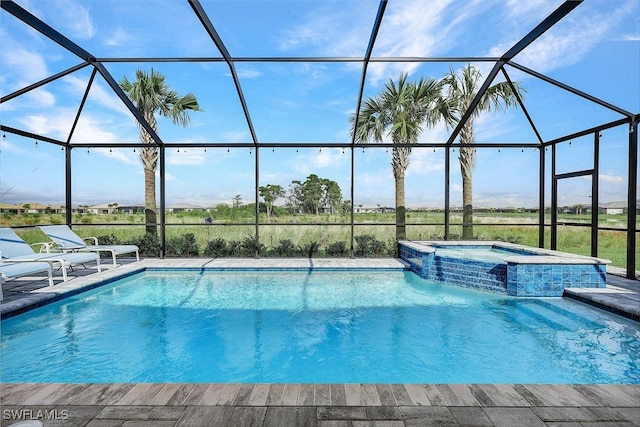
{"x": 595, "y": 49}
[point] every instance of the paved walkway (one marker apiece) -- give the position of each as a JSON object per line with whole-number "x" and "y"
{"x": 330, "y": 405}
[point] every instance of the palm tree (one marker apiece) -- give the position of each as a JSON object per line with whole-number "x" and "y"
{"x": 461, "y": 89}
{"x": 151, "y": 94}
{"x": 400, "y": 111}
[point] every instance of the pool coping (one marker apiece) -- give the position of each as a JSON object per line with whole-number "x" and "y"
{"x": 391, "y": 405}
{"x": 542, "y": 255}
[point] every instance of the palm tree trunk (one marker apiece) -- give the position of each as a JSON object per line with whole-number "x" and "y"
{"x": 467, "y": 158}
{"x": 149, "y": 156}
{"x": 467, "y": 199}
{"x": 399, "y": 163}
{"x": 401, "y": 228}
{"x": 150, "y": 200}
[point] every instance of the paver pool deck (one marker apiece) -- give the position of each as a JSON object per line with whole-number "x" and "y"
{"x": 390, "y": 405}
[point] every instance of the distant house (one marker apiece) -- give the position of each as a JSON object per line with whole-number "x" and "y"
{"x": 373, "y": 209}
{"x": 613, "y": 208}
{"x": 184, "y": 207}
{"x": 578, "y": 209}
{"x": 108, "y": 208}
{"x": 31, "y": 208}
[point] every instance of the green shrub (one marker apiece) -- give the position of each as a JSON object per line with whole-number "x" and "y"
{"x": 233, "y": 248}
{"x": 337, "y": 249}
{"x": 148, "y": 244}
{"x": 108, "y": 240}
{"x": 248, "y": 247}
{"x": 367, "y": 245}
{"x": 184, "y": 245}
{"x": 216, "y": 248}
{"x": 286, "y": 248}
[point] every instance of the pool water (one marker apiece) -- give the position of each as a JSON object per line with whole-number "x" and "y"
{"x": 314, "y": 327}
{"x": 488, "y": 254}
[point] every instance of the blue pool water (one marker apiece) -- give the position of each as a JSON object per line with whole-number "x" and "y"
{"x": 314, "y": 327}
{"x": 487, "y": 254}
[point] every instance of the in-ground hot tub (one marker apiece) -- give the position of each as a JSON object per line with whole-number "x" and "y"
{"x": 503, "y": 267}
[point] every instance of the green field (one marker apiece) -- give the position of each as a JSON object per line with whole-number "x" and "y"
{"x": 232, "y": 233}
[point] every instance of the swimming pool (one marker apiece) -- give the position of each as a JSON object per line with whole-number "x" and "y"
{"x": 314, "y": 327}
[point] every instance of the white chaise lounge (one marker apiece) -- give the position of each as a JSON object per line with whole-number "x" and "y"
{"x": 14, "y": 249}
{"x": 68, "y": 241}
{"x": 10, "y": 271}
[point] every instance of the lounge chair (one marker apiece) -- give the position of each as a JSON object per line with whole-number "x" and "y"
{"x": 14, "y": 249}
{"x": 68, "y": 241}
{"x": 13, "y": 270}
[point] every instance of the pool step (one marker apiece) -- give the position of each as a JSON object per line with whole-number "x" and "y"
{"x": 561, "y": 315}
{"x": 523, "y": 314}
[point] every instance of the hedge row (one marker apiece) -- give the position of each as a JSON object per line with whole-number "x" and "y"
{"x": 187, "y": 246}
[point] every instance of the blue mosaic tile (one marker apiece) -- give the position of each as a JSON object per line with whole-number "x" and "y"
{"x": 540, "y": 280}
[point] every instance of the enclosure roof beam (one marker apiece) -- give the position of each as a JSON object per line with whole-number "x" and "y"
{"x": 127, "y": 102}
{"x": 474, "y": 103}
{"x": 26, "y": 134}
{"x": 82, "y": 103}
{"x": 57, "y": 37}
{"x": 572, "y": 90}
{"x": 521, "y": 103}
{"x": 208, "y": 26}
{"x": 46, "y": 30}
{"x": 367, "y": 57}
{"x": 540, "y": 29}
{"x": 306, "y": 59}
{"x": 43, "y": 82}
{"x": 587, "y": 131}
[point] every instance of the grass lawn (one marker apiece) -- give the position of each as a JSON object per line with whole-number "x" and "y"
{"x": 325, "y": 231}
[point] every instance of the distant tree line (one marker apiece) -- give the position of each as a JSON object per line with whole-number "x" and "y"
{"x": 313, "y": 195}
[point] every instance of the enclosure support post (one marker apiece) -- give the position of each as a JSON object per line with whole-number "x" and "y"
{"x": 541, "y": 190}
{"x": 353, "y": 151}
{"x": 163, "y": 223}
{"x": 257, "y": 199}
{"x": 67, "y": 184}
{"x": 632, "y": 187}
{"x": 447, "y": 173}
{"x": 554, "y": 200}
{"x": 594, "y": 194}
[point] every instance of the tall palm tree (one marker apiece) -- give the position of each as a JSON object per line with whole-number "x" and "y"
{"x": 461, "y": 88}
{"x": 400, "y": 111}
{"x": 151, "y": 94}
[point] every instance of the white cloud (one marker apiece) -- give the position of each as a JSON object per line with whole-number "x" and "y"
{"x": 188, "y": 156}
{"x": 309, "y": 162}
{"x": 413, "y": 30}
{"x": 425, "y": 162}
{"x": 21, "y": 67}
{"x": 41, "y": 97}
{"x": 118, "y": 37}
{"x": 616, "y": 179}
{"x": 570, "y": 39}
{"x": 73, "y": 17}
{"x": 249, "y": 74}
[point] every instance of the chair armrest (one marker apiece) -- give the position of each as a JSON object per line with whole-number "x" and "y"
{"x": 44, "y": 247}
{"x": 94, "y": 240}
